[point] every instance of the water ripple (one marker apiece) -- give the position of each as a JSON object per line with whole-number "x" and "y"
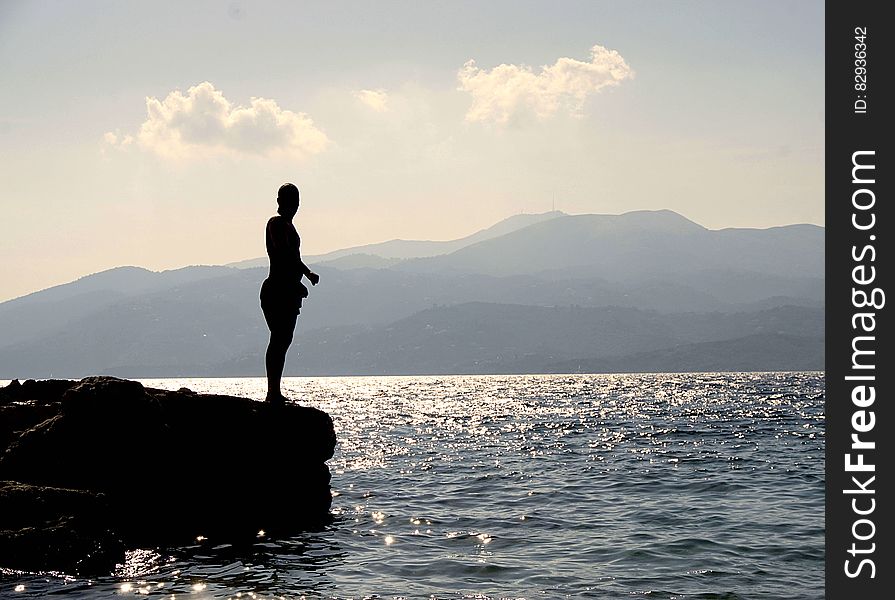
{"x": 583, "y": 486}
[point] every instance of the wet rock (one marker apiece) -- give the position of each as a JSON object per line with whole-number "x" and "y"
{"x": 49, "y": 390}
{"x": 174, "y": 465}
{"x": 44, "y": 528}
{"x": 11, "y": 392}
{"x": 17, "y": 417}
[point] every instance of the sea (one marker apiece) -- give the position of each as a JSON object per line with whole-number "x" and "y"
{"x": 707, "y": 486}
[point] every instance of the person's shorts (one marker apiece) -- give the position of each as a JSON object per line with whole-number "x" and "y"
{"x": 281, "y": 302}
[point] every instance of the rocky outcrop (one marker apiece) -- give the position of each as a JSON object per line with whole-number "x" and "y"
{"x": 45, "y": 528}
{"x": 106, "y": 463}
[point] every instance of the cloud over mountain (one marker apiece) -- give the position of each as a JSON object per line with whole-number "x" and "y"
{"x": 374, "y": 99}
{"x": 507, "y": 91}
{"x": 203, "y": 123}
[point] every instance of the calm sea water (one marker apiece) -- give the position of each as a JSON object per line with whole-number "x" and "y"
{"x": 558, "y": 486}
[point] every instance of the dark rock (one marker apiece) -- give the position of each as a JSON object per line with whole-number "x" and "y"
{"x": 11, "y": 393}
{"x": 174, "y": 465}
{"x": 93, "y": 395}
{"x": 48, "y": 390}
{"x": 44, "y": 528}
{"x": 17, "y": 417}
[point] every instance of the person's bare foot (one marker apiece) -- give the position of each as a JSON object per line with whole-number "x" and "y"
{"x": 276, "y": 400}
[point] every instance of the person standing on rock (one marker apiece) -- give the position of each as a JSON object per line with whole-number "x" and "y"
{"x": 282, "y": 292}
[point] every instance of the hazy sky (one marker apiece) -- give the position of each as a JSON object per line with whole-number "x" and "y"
{"x": 156, "y": 133}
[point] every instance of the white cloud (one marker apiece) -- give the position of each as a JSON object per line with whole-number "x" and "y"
{"x": 509, "y": 91}
{"x": 204, "y": 123}
{"x": 374, "y": 99}
{"x": 117, "y": 140}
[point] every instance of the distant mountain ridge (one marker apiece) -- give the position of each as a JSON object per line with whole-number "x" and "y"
{"x": 171, "y": 337}
{"x": 493, "y": 338}
{"x": 41, "y": 311}
{"x": 631, "y": 280}
{"x": 402, "y": 249}
{"x": 635, "y": 244}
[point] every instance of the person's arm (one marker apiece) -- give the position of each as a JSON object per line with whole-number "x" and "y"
{"x": 304, "y": 270}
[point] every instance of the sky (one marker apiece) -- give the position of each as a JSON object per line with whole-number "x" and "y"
{"x": 156, "y": 133}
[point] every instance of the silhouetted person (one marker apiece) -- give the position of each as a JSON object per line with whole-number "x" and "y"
{"x": 282, "y": 291}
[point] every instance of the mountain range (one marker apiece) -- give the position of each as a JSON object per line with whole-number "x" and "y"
{"x": 641, "y": 291}
{"x": 394, "y": 250}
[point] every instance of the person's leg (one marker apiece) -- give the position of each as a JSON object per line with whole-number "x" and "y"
{"x": 281, "y": 331}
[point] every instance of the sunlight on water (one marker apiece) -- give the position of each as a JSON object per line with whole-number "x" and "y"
{"x": 530, "y": 486}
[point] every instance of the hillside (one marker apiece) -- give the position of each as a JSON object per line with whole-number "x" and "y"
{"x": 636, "y": 245}
{"x": 568, "y": 288}
{"x": 395, "y": 250}
{"x": 495, "y": 338}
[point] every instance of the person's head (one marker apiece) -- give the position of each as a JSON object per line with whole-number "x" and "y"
{"x": 287, "y": 200}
